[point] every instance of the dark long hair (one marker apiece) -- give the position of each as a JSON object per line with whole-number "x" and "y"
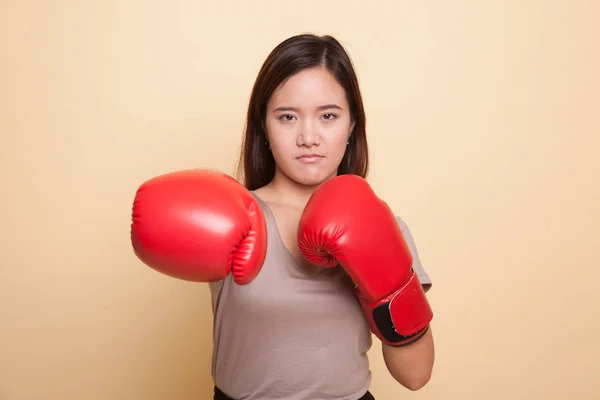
{"x": 256, "y": 165}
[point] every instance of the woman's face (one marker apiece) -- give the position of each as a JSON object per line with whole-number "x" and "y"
{"x": 308, "y": 124}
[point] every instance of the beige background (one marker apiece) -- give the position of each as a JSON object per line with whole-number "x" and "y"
{"x": 483, "y": 123}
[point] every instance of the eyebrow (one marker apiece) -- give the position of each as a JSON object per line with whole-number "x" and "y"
{"x": 324, "y": 107}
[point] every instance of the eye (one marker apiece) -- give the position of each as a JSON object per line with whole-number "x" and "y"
{"x": 329, "y": 116}
{"x": 286, "y": 117}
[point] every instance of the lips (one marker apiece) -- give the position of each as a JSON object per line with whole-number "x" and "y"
{"x": 310, "y": 158}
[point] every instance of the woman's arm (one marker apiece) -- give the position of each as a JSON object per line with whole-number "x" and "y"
{"x": 411, "y": 365}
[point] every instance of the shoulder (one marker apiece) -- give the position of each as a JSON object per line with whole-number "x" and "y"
{"x": 417, "y": 264}
{"x": 263, "y": 193}
{"x": 403, "y": 225}
{"x": 406, "y": 232}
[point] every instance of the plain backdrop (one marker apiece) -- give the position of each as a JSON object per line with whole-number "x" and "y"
{"x": 484, "y": 123}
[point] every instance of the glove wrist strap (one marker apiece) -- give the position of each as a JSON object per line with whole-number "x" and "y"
{"x": 401, "y": 318}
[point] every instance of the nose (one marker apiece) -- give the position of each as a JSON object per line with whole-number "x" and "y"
{"x": 309, "y": 134}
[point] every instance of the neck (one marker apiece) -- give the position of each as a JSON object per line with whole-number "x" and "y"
{"x": 290, "y": 192}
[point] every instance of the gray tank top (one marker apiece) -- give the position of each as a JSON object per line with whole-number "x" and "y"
{"x": 291, "y": 333}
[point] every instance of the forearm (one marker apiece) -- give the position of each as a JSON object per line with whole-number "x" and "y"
{"x": 411, "y": 365}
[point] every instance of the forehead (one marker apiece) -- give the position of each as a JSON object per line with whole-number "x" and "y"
{"x": 309, "y": 88}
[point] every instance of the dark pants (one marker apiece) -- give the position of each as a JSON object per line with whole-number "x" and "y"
{"x": 222, "y": 396}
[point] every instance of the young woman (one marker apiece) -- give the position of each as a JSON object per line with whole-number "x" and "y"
{"x": 299, "y": 332}
{"x": 284, "y": 327}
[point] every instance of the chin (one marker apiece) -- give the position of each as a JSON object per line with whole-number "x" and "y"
{"x": 313, "y": 179}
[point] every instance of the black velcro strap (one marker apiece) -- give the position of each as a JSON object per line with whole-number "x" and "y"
{"x": 383, "y": 321}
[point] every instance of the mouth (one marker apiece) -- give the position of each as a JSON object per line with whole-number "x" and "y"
{"x": 310, "y": 158}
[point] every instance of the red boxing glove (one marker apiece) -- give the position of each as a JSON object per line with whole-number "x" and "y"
{"x": 200, "y": 226}
{"x": 345, "y": 222}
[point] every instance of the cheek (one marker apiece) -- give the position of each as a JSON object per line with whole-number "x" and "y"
{"x": 280, "y": 148}
{"x": 281, "y": 142}
{"x": 337, "y": 142}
